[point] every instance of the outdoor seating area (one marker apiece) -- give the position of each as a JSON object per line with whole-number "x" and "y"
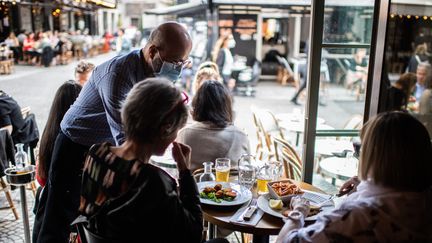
{"x": 215, "y": 121}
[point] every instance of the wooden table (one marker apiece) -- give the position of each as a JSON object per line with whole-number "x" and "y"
{"x": 268, "y": 225}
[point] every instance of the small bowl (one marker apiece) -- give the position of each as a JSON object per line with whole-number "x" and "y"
{"x": 285, "y": 199}
{"x": 16, "y": 178}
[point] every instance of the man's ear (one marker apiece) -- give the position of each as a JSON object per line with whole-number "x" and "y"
{"x": 152, "y": 51}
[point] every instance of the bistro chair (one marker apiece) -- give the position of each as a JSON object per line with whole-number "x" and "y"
{"x": 267, "y": 127}
{"x": 291, "y": 160}
{"x": 5, "y": 188}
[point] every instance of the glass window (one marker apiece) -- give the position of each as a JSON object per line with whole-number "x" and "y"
{"x": 407, "y": 74}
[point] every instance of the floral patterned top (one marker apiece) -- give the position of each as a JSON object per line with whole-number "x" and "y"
{"x": 105, "y": 176}
{"x": 373, "y": 214}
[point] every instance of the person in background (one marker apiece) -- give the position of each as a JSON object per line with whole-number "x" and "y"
{"x": 65, "y": 96}
{"x": 358, "y": 68}
{"x": 223, "y": 57}
{"x": 392, "y": 201}
{"x": 83, "y": 71}
{"x": 420, "y": 56}
{"x": 425, "y": 102}
{"x": 22, "y": 129}
{"x": 13, "y": 43}
{"x": 213, "y": 135}
{"x": 206, "y": 71}
{"x": 95, "y": 118}
{"x": 400, "y": 92}
{"x": 28, "y": 46}
{"x": 123, "y": 44}
{"x": 423, "y": 70}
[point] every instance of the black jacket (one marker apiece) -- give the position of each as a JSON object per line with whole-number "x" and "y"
{"x": 153, "y": 211}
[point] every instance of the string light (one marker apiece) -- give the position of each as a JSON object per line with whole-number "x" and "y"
{"x": 425, "y": 17}
{"x": 408, "y": 16}
{"x": 392, "y": 15}
{"x": 417, "y": 17}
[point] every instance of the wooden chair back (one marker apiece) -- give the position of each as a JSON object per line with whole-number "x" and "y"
{"x": 290, "y": 159}
{"x": 267, "y": 127}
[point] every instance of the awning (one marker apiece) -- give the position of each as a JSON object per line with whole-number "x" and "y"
{"x": 180, "y": 9}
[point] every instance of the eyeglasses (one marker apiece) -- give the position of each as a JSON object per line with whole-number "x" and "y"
{"x": 177, "y": 64}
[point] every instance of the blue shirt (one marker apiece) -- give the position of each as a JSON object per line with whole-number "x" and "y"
{"x": 95, "y": 116}
{"x": 419, "y": 91}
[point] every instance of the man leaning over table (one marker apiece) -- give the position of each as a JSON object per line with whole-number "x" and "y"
{"x": 95, "y": 118}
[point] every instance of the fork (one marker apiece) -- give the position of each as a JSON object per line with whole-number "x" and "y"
{"x": 327, "y": 200}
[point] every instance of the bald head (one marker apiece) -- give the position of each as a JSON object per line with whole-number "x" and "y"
{"x": 171, "y": 40}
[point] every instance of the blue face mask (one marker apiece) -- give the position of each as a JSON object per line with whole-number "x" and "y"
{"x": 167, "y": 70}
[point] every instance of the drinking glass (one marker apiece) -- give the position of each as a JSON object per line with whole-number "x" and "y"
{"x": 276, "y": 169}
{"x": 223, "y": 166}
{"x": 246, "y": 171}
{"x": 264, "y": 176}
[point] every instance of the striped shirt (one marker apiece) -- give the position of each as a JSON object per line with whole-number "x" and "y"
{"x": 95, "y": 115}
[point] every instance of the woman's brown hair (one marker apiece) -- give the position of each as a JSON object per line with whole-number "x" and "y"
{"x": 212, "y": 103}
{"x": 396, "y": 152}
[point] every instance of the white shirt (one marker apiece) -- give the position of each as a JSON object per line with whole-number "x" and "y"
{"x": 373, "y": 214}
{"x": 228, "y": 63}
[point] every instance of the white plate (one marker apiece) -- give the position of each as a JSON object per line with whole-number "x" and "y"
{"x": 314, "y": 198}
{"x": 243, "y": 194}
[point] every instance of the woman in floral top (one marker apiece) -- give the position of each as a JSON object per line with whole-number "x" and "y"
{"x": 393, "y": 201}
{"x": 125, "y": 198}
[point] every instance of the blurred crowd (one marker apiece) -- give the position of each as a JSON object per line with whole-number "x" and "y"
{"x": 52, "y": 48}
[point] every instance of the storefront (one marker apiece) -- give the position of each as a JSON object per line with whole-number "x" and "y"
{"x": 43, "y": 15}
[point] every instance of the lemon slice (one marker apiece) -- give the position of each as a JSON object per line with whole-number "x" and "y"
{"x": 275, "y": 204}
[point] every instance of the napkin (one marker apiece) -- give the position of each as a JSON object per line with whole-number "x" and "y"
{"x": 238, "y": 219}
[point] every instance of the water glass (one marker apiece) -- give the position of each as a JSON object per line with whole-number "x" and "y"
{"x": 223, "y": 166}
{"x": 246, "y": 171}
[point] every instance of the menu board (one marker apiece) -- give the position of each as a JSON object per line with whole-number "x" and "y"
{"x": 244, "y": 29}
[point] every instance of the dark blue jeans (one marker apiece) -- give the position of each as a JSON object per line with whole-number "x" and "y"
{"x": 61, "y": 195}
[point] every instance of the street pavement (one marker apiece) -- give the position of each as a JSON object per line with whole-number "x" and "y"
{"x": 36, "y": 86}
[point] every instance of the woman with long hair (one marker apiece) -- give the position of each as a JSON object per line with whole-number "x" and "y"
{"x": 212, "y": 134}
{"x": 391, "y": 203}
{"x": 65, "y": 96}
{"x": 206, "y": 71}
{"x": 223, "y": 57}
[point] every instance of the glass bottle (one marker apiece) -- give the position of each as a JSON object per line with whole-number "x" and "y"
{"x": 20, "y": 157}
{"x": 246, "y": 170}
{"x": 207, "y": 175}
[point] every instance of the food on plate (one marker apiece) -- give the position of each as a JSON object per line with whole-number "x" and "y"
{"x": 217, "y": 193}
{"x": 283, "y": 188}
{"x": 286, "y": 212}
{"x": 275, "y": 204}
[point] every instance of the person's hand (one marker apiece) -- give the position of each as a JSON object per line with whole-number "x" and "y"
{"x": 182, "y": 155}
{"x": 349, "y": 186}
{"x": 300, "y": 204}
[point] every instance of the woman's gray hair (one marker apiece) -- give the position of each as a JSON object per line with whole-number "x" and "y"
{"x": 151, "y": 105}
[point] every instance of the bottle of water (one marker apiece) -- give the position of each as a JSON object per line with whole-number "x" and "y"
{"x": 20, "y": 157}
{"x": 207, "y": 175}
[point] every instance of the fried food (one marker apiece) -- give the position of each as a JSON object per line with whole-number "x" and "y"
{"x": 207, "y": 190}
{"x": 283, "y": 188}
{"x": 219, "y": 194}
{"x": 218, "y": 187}
{"x": 230, "y": 194}
{"x": 286, "y": 212}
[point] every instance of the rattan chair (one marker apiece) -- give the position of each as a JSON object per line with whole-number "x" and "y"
{"x": 285, "y": 153}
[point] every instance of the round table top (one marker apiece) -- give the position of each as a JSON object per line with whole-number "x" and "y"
{"x": 298, "y": 126}
{"x": 329, "y": 146}
{"x": 268, "y": 225}
{"x": 339, "y": 168}
{"x": 295, "y": 117}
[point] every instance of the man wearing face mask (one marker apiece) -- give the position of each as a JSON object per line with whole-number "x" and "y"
{"x": 95, "y": 118}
